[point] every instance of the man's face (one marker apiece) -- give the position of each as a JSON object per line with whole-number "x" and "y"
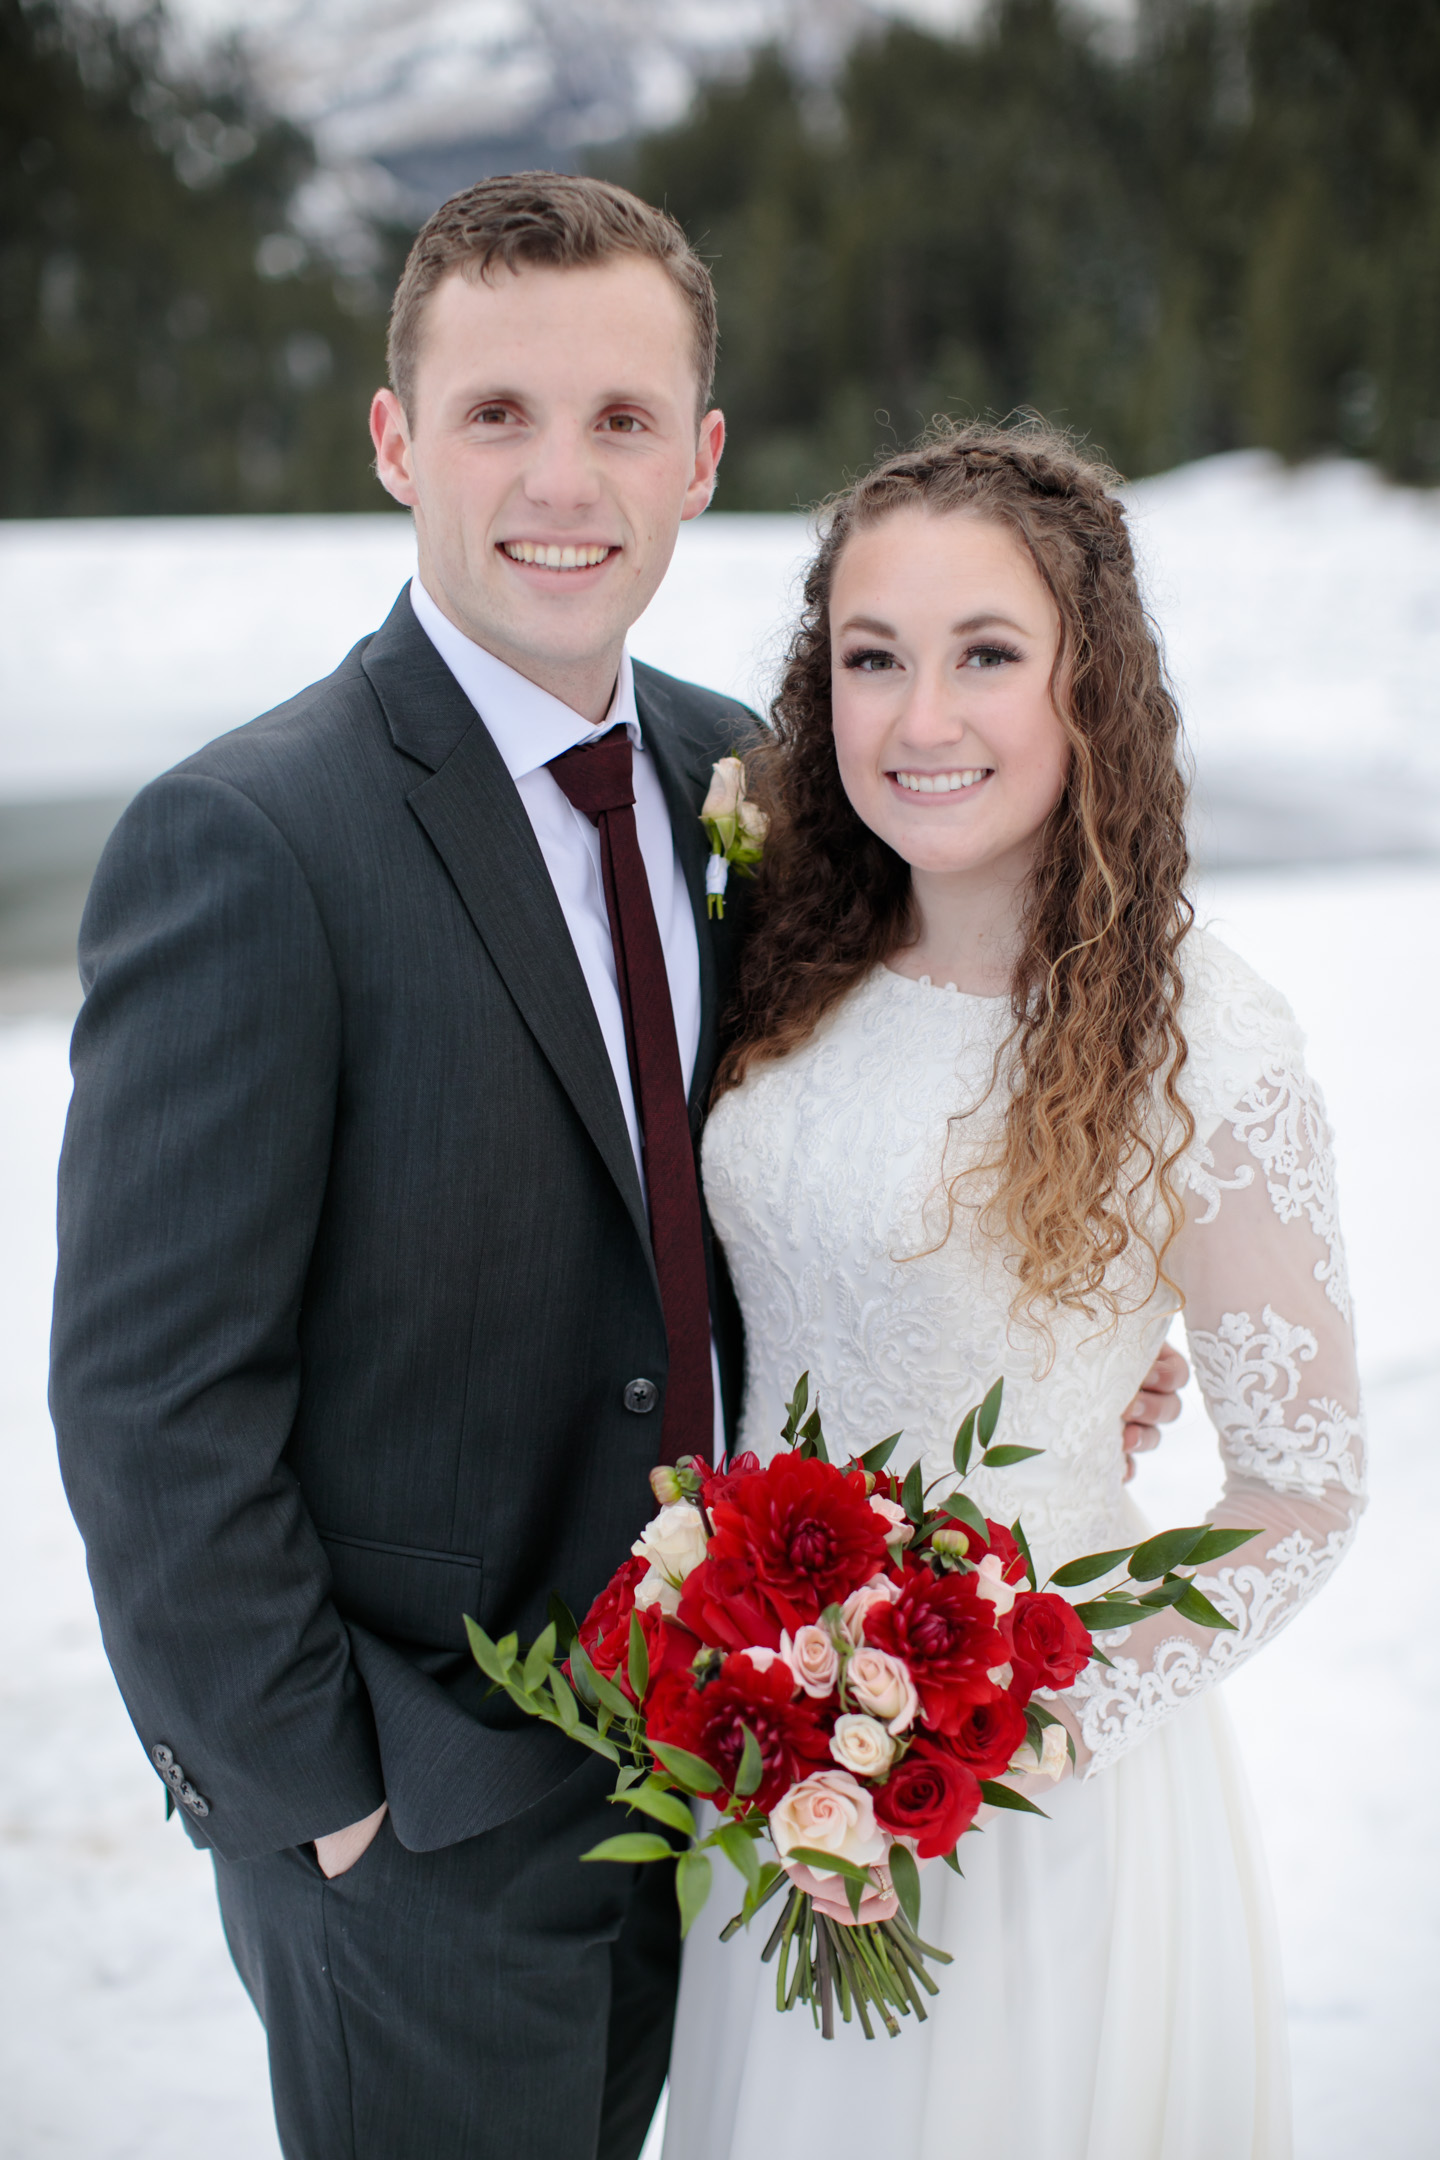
{"x": 553, "y": 456}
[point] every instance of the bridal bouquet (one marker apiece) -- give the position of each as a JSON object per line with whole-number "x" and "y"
{"x": 847, "y": 1668}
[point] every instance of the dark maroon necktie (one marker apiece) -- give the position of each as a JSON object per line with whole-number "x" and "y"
{"x": 598, "y": 779}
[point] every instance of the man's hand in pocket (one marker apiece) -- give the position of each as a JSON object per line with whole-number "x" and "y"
{"x": 339, "y": 1850}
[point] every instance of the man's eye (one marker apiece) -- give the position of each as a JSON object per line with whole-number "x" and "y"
{"x": 492, "y": 415}
{"x": 870, "y": 660}
{"x": 622, "y": 423}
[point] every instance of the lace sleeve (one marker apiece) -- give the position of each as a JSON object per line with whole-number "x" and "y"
{"x": 1267, "y": 1310}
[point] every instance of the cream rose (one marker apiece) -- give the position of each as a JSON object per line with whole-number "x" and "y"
{"x": 727, "y": 784}
{"x": 1053, "y": 1760}
{"x": 882, "y": 1685}
{"x": 812, "y": 1658}
{"x": 674, "y": 1541}
{"x": 861, "y": 1744}
{"x": 829, "y": 1813}
{"x": 901, "y": 1529}
{"x": 879, "y": 1591}
{"x": 990, "y": 1583}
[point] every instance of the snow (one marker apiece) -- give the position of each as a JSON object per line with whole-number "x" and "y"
{"x": 1303, "y": 623}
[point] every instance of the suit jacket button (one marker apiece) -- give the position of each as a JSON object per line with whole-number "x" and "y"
{"x": 641, "y": 1396}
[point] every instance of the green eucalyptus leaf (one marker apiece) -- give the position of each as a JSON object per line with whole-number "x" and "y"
{"x": 1165, "y": 1594}
{"x": 751, "y": 1768}
{"x": 691, "y": 1771}
{"x": 1194, "y": 1605}
{"x": 632, "y": 1775}
{"x": 874, "y": 1459}
{"x": 565, "y": 1703}
{"x": 639, "y": 1659}
{"x": 854, "y": 1894}
{"x": 484, "y": 1652}
{"x": 906, "y": 1877}
{"x": 740, "y": 1850}
{"x": 692, "y": 1887}
{"x": 988, "y": 1415}
{"x": 795, "y": 1409}
{"x": 564, "y": 1623}
{"x": 1017, "y": 1531}
{"x": 611, "y": 1699}
{"x": 1004, "y": 1796}
{"x": 809, "y": 1857}
{"x": 964, "y": 1442}
{"x": 596, "y": 1742}
{"x": 507, "y": 1650}
{"x": 1158, "y": 1555}
{"x": 1094, "y": 1565}
{"x": 538, "y": 1659}
{"x": 582, "y": 1674}
{"x": 912, "y": 1493}
{"x": 662, "y": 1806}
{"x": 961, "y": 1508}
{"x": 1102, "y": 1614}
{"x": 1000, "y": 1458}
{"x": 632, "y": 1847}
{"x": 952, "y": 1860}
{"x": 1216, "y": 1544}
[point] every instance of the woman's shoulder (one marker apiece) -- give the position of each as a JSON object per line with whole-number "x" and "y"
{"x": 1237, "y": 1026}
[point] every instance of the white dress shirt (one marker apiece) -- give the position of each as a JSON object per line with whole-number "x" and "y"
{"x": 529, "y": 727}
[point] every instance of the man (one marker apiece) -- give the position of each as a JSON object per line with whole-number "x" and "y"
{"x": 384, "y": 1275}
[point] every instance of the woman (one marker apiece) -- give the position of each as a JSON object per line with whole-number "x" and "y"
{"x": 993, "y": 1107}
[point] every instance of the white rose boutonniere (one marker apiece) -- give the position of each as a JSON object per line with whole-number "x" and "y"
{"x": 736, "y": 826}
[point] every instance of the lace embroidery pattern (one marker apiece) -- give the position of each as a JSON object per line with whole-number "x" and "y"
{"x": 1249, "y": 1375}
{"x": 1281, "y": 1121}
{"x": 1121, "y": 1705}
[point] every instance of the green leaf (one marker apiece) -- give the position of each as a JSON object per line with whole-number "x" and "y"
{"x": 740, "y": 1849}
{"x": 809, "y": 1857}
{"x": 506, "y": 1650}
{"x": 1159, "y": 1554}
{"x": 563, "y": 1621}
{"x": 484, "y": 1652}
{"x": 1000, "y": 1458}
{"x": 582, "y": 1674}
{"x": 1215, "y": 1544}
{"x": 596, "y": 1742}
{"x": 1017, "y": 1531}
{"x": 639, "y": 1661}
{"x": 952, "y": 1860}
{"x": 906, "y": 1877}
{"x": 854, "y": 1895}
{"x": 691, "y": 1771}
{"x": 1102, "y": 1614}
{"x": 961, "y": 1508}
{"x": 988, "y": 1415}
{"x": 795, "y": 1409}
{"x": 771, "y": 1876}
{"x": 1095, "y": 1564}
{"x": 874, "y": 1459}
{"x": 1004, "y": 1796}
{"x": 565, "y": 1702}
{"x": 692, "y": 1887}
{"x": 632, "y": 1847}
{"x": 1194, "y": 1605}
{"x": 1165, "y": 1594}
{"x": 660, "y": 1805}
{"x": 812, "y": 1433}
{"x": 628, "y": 1777}
{"x": 752, "y": 1766}
{"x": 964, "y": 1442}
{"x": 538, "y": 1660}
{"x": 912, "y": 1492}
{"x": 609, "y": 1695}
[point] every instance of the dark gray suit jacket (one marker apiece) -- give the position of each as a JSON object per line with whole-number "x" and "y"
{"x": 354, "y": 1265}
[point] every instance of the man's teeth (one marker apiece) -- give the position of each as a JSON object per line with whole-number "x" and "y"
{"x": 555, "y": 558}
{"x": 941, "y": 783}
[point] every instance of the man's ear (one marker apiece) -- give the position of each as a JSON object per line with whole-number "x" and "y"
{"x": 391, "y": 437}
{"x": 708, "y": 447}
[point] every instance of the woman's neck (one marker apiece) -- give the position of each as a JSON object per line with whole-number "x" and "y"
{"x": 970, "y": 929}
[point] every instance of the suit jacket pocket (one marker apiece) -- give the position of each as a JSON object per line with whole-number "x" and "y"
{"x": 403, "y": 1592}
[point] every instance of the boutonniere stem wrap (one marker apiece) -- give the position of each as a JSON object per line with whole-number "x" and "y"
{"x": 737, "y": 829}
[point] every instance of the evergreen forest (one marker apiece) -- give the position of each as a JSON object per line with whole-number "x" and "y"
{"x": 1219, "y": 230}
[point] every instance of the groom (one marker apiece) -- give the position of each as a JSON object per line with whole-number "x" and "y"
{"x": 384, "y": 1272}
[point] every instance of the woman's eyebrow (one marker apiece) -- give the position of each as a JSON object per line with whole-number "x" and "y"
{"x": 870, "y": 623}
{"x": 988, "y": 620}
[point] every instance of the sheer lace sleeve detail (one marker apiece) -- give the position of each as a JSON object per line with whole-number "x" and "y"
{"x": 1267, "y": 1308}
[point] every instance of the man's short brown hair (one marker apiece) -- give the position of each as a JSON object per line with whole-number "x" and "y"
{"x": 560, "y": 220}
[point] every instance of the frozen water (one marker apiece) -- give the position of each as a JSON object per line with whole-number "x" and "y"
{"x": 118, "y": 2008}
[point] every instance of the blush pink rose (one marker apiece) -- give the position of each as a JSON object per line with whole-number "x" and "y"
{"x": 882, "y": 1685}
{"x": 813, "y": 1659}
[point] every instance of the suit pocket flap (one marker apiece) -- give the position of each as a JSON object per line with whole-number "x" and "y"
{"x": 402, "y": 1592}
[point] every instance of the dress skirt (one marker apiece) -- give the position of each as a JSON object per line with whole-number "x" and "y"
{"x": 1115, "y": 1995}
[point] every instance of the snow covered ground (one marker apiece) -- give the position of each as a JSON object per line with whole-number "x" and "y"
{"x": 1302, "y": 614}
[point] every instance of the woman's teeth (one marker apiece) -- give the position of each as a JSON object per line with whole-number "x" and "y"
{"x": 940, "y": 783}
{"x": 554, "y": 558}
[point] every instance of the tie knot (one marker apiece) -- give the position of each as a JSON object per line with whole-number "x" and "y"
{"x": 597, "y": 776}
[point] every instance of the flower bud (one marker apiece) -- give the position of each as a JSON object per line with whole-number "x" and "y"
{"x": 950, "y": 1540}
{"x": 665, "y": 1485}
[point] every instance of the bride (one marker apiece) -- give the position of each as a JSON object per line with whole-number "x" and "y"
{"x": 992, "y": 1106}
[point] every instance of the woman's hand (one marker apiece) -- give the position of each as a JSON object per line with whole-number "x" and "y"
{"x": 1157, "y": 1404}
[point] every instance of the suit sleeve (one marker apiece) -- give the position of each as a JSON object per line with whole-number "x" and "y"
{"x": 206, "y": 1064}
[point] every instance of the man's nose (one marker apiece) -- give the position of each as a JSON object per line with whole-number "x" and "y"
{"x": 560, "y": 472}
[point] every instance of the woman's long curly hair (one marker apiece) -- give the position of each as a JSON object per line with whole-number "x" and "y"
{"x": 1073, "y": 1181}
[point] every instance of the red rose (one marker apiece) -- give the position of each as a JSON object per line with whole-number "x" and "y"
{"x": 988, "y": 1733}
{"x": 605, "y": 1631}
{"x": 709, "y": 1721}
{"x": 787, "y": 1542}
{"x": 928, "y": 1796}
{"x": 1048, "y": 1645}
{"x": 945, "y": 1631}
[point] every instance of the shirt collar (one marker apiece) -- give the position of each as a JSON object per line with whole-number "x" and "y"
{"x": 528, "y": 726}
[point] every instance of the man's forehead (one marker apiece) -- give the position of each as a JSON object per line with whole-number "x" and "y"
{"x": 608, "y": 331}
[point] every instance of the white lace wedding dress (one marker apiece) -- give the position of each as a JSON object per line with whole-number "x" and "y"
{"x": 1115, "y": 1993}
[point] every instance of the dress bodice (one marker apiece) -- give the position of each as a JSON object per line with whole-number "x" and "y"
{"x": 830, "y": 1176}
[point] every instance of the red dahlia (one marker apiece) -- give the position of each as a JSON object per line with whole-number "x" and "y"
{"x": 710, "y": 1722}
{"x": 787, "y": 1542}
{"x": 945, "y": 1631}
{"x": 605, "y": 1630}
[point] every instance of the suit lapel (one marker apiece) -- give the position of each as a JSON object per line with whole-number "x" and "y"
{"x": 473, "y": 814}
{"x": 684, "y": 783}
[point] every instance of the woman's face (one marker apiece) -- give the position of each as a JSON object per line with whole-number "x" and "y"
{"x": 943, "y": 638}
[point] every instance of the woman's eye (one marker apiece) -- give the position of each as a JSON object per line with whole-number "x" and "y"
{"x": 870, "y": 660}
{"x": 985, "y": 657}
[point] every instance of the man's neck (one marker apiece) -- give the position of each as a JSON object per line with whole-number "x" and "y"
{"x": 586, "y": 685}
